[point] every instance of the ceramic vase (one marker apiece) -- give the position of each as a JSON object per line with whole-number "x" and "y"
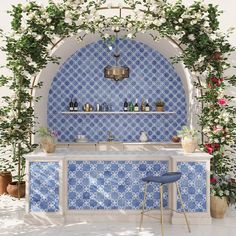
{"x": 5, "y": 179}
{"x": 189, "y": 144}
{"x": 218, "y": 207}
{"x": 12, "y": 189}
{"x": 48, "y": 144}
{"x": 143, "y": 137}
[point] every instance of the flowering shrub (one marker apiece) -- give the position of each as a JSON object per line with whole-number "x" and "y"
{"x": 194, "y": 29}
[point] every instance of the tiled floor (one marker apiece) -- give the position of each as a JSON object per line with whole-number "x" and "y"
{"x": 11, "y": 223}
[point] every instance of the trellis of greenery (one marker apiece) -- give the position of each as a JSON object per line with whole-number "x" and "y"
{"x": 195, "y": 29}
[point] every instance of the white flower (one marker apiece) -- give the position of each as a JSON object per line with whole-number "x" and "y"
{"x": 52, "y": 27}
{"x": 227, "y": 192}
{"x": 153, "y": 8}
{"x": 129, "y": 25}
{"x": 221, "y": 193}
{"x": 193, "y": 22}
{"x": 180, "y": 20}
{"x": 129, "y": 36}
{"x": 216, "y": 120}
{"x": 162, "y": 20}
{"x": 206, "y": 24}
{"x": 191, "y": 37}
{"x": 39, "y": 37}
{"x": 216, "y": 140}
{"x": 68, "y": 21}
{"x": 106, "y": 36}
{"x": 49, "y": 20}
{"x": 176, "y": 27}
{"x": 100, "y": 25}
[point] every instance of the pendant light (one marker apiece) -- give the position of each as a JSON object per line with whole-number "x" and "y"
{"x": 116, "y": 72}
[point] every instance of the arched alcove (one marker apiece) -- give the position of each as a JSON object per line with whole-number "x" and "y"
{"x": 70, "y": 46}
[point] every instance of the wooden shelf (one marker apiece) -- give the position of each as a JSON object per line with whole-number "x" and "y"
{"x": 116, "y": 112}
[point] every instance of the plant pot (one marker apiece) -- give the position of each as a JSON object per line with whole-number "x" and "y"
{"x": 5, "y": 179}
{"x": 12, "y": 189}
{"x": 189, "y": 145}
{"x": 218, "y": 207}
{"x": 48, "y": 144}
{"x": 161, "y": 109}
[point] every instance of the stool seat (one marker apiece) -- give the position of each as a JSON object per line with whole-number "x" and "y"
{"x": 169, "y": 177}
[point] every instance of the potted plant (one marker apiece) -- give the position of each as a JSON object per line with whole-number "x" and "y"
{"x": 48, "y": 139}
{"x": 188, "y": 139}
{"x": 160, "y": 105}
{"x": 222, "y": 190}
{"x": 223, "y": 193}
{"x": 17, "y": 187}
{"x": 5, "y": 174}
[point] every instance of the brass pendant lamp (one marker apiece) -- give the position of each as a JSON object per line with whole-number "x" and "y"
{"x": 116, "y": 72}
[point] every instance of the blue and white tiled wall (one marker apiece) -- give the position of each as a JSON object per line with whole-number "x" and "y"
{"x": 113, "y": 184}
{"x": 44, "y": 186}
{"x": 151, "y": 77}
{"x": 193, "y": 186}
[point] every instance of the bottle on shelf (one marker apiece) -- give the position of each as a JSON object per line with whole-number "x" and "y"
{"x": 147, "y": 107}
{"x": 131, "y": 106}
{"x": 143, "y": 105}
{"x": 75, "y": 105}
{"x": 71, "y": 105}
{"x": 136, "y": 107}
{"x": 126, "y": 105}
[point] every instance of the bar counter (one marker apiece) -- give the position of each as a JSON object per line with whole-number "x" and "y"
{"x": 71, "y": 185}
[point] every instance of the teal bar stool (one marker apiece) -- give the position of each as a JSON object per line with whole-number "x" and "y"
{"x": 167, "y": 178}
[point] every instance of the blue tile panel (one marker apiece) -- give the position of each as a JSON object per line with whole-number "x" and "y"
{"x": 193, "y": 186}
{"x": 44, "y": 186}
{"x": 151, "y": 77}
{"x": 113, "y": 184}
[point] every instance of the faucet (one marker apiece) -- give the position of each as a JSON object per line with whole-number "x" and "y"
{"x": 110, "y": 136}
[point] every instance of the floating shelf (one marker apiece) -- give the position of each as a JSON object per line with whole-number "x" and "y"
{"x": 115, "y": 112}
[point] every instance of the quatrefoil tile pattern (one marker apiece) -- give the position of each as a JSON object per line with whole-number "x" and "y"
{"x": 193, "y": 186}
{"x": 44, "y": 186}
{"x": 151, "y": 77}
{"x": 113, "y": 184}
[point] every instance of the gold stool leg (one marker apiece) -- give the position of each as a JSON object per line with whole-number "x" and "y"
{"x": 181, "y": 201}
{"x": 143, "y": 207}
{"x": 161, "y": 204}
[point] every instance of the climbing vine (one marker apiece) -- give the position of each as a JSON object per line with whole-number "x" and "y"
{"x": 194, "y": 29}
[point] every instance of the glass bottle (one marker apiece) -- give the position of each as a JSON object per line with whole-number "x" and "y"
{"x": 71, "y": 105}
{"x": 136, "y": 107}
{"x": 126, "y": 105}
{"x": 131, "y": 106}
{"x": 147, "y": 107}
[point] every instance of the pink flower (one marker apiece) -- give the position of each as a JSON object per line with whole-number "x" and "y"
{"x": 209, "y": 148}
{"x": 213, "y": 180}
{"x": 222, "y": 102}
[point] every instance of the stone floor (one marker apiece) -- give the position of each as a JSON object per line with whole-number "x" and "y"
{"x": 12, "y": 212}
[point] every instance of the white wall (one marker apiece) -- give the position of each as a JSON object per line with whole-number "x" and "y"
{"x": 228, "y": 19}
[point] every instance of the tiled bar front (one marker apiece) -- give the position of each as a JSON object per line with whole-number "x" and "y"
{"x": 71, "y": 185}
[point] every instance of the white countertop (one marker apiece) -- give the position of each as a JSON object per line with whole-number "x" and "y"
{"x": 164, "y": 153}
{"x": 119, "y": 142}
